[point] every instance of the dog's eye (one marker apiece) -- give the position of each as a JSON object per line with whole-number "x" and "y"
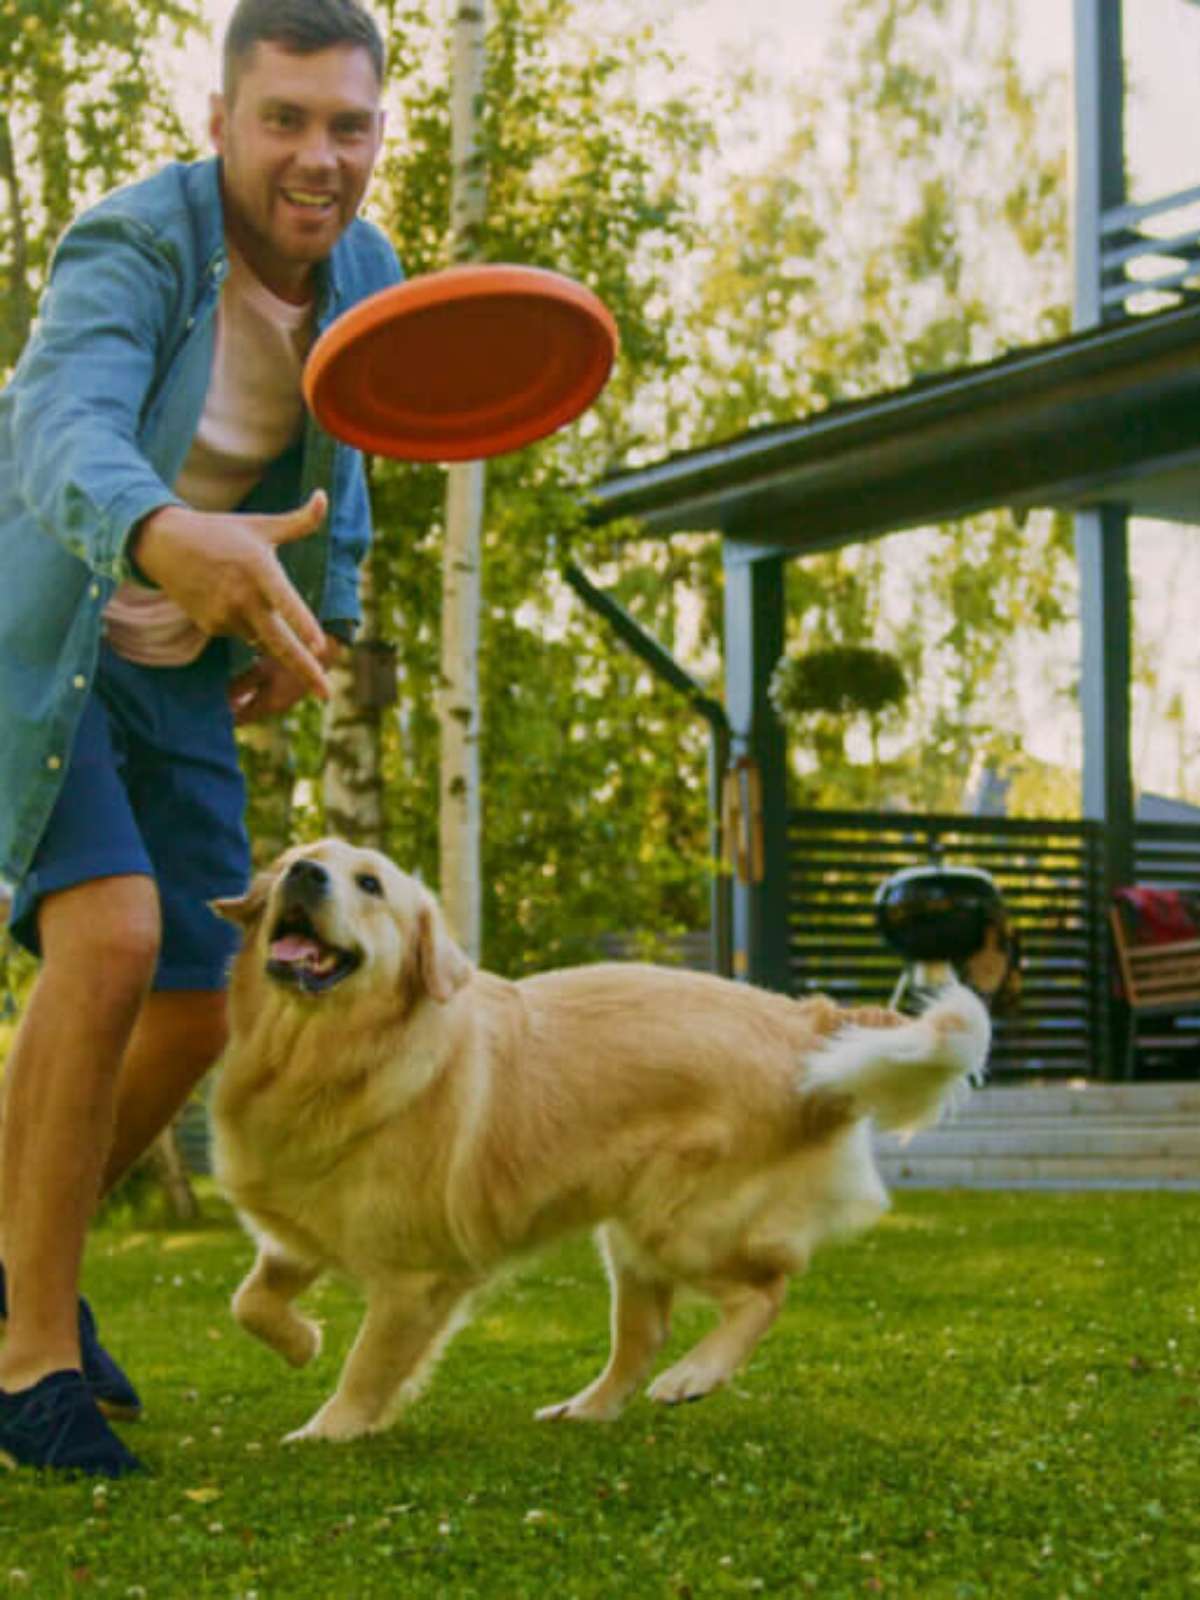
{"x": 369, "y": 884}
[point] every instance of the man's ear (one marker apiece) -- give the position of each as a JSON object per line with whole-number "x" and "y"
{"x": 246, "y": 909}
{"x": 216, "y": 122}
{"x": 442, "y": 968}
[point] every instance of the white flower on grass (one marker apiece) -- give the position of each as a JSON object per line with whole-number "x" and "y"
{"x": 536, "y": 1514}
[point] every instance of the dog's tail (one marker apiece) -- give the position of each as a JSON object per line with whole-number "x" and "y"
{"x": 907, "y": 1075}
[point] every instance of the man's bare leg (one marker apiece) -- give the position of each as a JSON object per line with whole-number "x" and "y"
{"x": 100, "y": 945}
{"x": 178, "y": 1036}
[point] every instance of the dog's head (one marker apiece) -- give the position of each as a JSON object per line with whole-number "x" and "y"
{"x": 328, "y": 918}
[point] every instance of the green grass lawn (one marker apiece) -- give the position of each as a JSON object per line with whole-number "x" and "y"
{"x": 990, "y": 1395}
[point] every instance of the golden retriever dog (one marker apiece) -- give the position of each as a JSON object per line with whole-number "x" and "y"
{"x": 387, "y": 1111}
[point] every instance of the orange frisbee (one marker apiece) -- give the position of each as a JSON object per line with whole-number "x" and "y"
{"x": 461, "y": 364}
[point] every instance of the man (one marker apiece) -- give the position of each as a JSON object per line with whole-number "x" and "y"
{"x": 180, "y": 548}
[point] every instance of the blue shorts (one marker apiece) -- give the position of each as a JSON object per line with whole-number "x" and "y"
{"x": 153, "y": 788}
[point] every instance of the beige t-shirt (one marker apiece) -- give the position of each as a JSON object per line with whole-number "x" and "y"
{"x": 252, "y": 412}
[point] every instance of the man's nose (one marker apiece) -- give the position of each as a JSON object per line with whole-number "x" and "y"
{"x": 317, "y": 150}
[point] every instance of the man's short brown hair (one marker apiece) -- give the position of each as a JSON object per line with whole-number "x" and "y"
{"x": 303, "y": 26}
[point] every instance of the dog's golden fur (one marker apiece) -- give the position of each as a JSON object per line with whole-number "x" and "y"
{"x": 421, "y": 1123}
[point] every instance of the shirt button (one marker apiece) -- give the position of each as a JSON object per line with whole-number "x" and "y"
{"x": 94, "y": 591}
{"x": 54, "y": 762}
{"x": 79, "y": 681}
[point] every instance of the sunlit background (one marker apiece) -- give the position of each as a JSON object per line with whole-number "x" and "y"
{"x": 785, "y": 42}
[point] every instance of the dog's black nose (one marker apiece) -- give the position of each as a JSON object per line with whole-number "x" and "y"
{"x": 305, "y": 883}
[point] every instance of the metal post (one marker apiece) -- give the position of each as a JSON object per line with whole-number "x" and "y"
{"x": 754, "y": 638}
{"x": 1099, "y": 146}
{"x": 1102, "y": 546}
{"x": 1102, "y": 533}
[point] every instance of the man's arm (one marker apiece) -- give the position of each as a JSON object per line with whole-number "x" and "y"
{"x": 78, "y": 392}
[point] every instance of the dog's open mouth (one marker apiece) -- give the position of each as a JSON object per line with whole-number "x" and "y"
{"x": 299, "y": 957}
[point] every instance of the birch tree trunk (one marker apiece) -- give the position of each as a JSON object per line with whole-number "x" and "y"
{"x": 459, "y": 808}
{"x": 352, "y": 779}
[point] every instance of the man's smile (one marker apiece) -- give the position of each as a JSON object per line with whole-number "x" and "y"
{"x": 310, "y": 199}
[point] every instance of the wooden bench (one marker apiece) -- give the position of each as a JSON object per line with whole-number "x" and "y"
{"x": 1157, "y": 981}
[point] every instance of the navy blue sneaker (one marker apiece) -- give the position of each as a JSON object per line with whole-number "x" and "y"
{"x": 112, "y": 1390}
{"x": 56, "y": 1424}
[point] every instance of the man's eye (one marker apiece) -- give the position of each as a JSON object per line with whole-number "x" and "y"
{"x": 369, "y": 884}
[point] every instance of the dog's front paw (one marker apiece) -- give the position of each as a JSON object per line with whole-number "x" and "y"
{"x": 686, "y": 1380}
{"x": 333, "y": 1422}
{"x": 583, "y": 1407}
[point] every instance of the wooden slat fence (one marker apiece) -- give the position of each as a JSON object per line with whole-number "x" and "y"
{"x": 1049, "y": 875}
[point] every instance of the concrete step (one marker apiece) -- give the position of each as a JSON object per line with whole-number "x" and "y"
{"x": 1079, "y": 1099}
{"x": 1057, "y": 1136}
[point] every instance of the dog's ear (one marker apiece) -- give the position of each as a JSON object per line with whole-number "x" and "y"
{"x": 246, "y": 909}
{"x": 442, "y": 968}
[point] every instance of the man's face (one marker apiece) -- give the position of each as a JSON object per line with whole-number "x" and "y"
{"x": 298, "y": 141}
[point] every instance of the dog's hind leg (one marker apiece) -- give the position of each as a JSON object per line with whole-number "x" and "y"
{"x": 748, "y": 1307}
{"x": 408, "y": 1321}
{"x": 263, "y": 1305}
{"x": 641, "y": 1320}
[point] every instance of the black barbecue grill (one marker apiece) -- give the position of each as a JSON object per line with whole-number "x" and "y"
{"x": 936, "y": 913}
{"x": 942, "y": 920}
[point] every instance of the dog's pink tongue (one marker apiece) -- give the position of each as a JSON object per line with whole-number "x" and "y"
{"x": 294, "y": 947}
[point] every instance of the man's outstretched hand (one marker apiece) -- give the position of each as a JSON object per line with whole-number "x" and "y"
{"x": 222, "y": 569}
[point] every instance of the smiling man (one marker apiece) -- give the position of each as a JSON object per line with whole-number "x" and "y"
{"x": 181, "y": 545}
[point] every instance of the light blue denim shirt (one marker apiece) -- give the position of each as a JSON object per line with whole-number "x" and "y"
{"x": 94, "y": 428}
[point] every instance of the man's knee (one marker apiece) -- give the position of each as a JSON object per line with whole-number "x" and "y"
{"x": 110, "y": 927}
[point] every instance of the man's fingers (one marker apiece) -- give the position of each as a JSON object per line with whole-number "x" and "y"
{"x": 279, "y": 598}
{"x": 298, "y": 524}
{"x": 275, "y": 635}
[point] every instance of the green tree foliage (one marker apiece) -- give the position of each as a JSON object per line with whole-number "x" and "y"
{"x": 84, "y": 105}
{"x": 914, "y": 221}
{"x": 593, "y": 781}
